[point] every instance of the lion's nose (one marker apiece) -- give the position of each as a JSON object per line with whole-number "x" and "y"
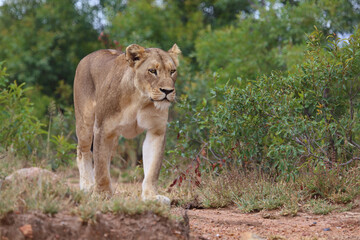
{"x": 166, "y": 91}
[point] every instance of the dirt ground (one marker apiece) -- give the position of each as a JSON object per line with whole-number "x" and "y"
{"x": 229, "y": 223}
{"x": 39, "y": 226}
{"x": 226, "y": 223}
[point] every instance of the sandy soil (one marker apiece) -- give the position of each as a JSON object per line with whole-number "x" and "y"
{"x": 229, "y": 223}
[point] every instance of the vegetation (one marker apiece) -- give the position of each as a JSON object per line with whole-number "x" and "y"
{"x": 51, "y": 195}
{"x": 278, "y": 123}
{"x": 268, "y": 105}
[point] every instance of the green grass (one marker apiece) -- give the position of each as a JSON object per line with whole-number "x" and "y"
{"x": 319, "y": 193}
{"x": 320, "y": 206}
{"x": 266, "y": 195}
{"x": 50, "y": 196}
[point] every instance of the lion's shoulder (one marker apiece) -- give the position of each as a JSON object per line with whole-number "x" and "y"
{"x": 104, "y": 55}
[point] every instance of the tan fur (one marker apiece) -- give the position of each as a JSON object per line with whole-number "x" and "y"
{"x": 115, "y": 95}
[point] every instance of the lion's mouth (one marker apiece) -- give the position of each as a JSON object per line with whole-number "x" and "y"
{"x": 162, "y": 104}
{"x": 161, "y": 100}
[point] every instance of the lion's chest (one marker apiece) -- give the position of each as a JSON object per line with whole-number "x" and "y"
{"x": 130, "y": 130}
{"x": 127, "y": 123}
{"x": 132, "y": 121}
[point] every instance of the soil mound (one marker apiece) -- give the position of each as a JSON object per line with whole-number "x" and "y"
{"x": 106, "y": 226}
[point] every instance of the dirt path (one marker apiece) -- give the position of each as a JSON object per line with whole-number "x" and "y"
{"x": 229, "y": 223}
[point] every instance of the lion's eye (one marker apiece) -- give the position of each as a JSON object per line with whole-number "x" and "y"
{"x": 153, "y": 71}
{"x": 172, "y": 72}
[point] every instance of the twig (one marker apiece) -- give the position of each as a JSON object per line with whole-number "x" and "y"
{"x": 350, "y": 161}
{"x": 218, "y": 158}
{"x": 355, "y": 144}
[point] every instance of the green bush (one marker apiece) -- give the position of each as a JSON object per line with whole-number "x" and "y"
{"x": 19, "y": 130}
{"x": 307, "y": 119}
{"x": 65, "y": 151}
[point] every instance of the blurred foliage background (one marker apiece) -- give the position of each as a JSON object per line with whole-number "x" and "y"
{"x": 259, "y": 87}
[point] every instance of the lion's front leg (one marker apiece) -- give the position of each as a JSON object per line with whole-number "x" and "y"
{"x": 103, "y": 146}
{"x": 153, "y": 150}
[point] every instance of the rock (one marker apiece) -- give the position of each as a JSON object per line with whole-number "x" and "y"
{"x": 30, "y": 174}
{"x": 27, "y": 230}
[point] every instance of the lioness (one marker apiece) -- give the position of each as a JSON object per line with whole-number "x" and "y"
{"x": 123, "y": 94}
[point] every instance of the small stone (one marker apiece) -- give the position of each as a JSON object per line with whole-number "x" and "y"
{"x": 26, "y": 230}
{"x": 327, "y": 229}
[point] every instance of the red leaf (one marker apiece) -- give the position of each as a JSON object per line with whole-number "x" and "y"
{"x": 173, "y": 183}
{"x": 184, "y": 176}
{"x": 214, "y": 166}
{"x": 197, "y": 183}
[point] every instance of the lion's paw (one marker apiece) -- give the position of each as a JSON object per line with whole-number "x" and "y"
{"x": 158, "y": 198}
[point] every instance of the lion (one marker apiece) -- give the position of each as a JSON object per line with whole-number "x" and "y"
{"x": 123, "y": 94}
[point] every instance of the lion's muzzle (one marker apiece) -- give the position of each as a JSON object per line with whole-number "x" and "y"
{"x": 163, "y": 95}
{"x": 166, "y": 90}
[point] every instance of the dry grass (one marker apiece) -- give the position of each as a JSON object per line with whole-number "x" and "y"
{"x": 50, "y": 196}
{"x": 319, "y": 193}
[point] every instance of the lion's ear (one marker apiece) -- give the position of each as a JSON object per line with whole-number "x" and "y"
{"x": 174, "y": 53}
{"x": 134, "y": 53}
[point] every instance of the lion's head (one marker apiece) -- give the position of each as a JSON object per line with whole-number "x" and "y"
{"x": 155, "y": 72}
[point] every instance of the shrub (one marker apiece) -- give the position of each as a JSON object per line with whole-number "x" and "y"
{"x": 65, "y": 151}
{"x": 19, "y": 129}
{"x": 306, "y": 120}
